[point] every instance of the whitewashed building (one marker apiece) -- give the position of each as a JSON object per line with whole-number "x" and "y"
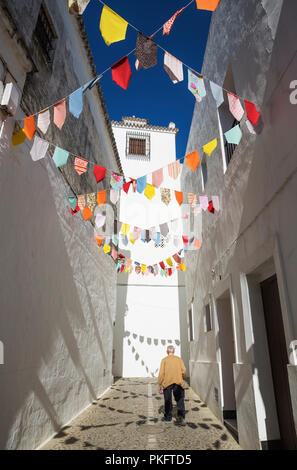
{"x": 151, "y": 310}
{"x": 242, "y": 286}
{"x": 56, "y": 302}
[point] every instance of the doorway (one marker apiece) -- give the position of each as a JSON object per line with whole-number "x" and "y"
{"x": 279, "y": 360}
{"x": 227, "y": 352}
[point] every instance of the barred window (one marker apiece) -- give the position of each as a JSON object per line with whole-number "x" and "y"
{"x": 137, "y": 146}
{"x": 44, "y": 35}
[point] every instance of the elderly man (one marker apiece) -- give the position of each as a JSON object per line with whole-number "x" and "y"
{"x": 172, "y": 371}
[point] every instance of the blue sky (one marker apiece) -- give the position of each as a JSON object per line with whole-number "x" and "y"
{"x": 150, "y": 93}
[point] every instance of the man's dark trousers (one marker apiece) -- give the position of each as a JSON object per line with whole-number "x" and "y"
{"x": 179, "y": 395}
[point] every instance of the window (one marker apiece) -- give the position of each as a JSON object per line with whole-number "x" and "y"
{"x": 138, "y": 146}
{"x": 207, "y": 319}
{"x": 44, "y": 35}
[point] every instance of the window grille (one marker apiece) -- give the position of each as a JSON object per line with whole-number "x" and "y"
{"x": 138, "y": 146}
{"x": 44, "y": 35}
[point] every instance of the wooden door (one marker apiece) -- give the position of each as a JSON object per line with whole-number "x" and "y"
{"x": 279, "y": 361}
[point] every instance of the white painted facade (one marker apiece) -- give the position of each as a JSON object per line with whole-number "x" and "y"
{"x": 56, "y": 304}
{"x": 253, "y": 237}
{"x": 151, "y": 310}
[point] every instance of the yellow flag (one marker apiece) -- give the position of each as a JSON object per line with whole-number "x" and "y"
{"x": 113, "y": 28}
{"x": 18, "y": 138}
{"x": 169, "y": 261}
{"x": 209, "y": 148}
{"x": 125, "y": 228}
{"x": 131, "y": 239}
{"x": 182, "y": 267}
{"x": 149, "y": 191}
{"x": 143, "y": 268}
{"x": 106, "y": 249}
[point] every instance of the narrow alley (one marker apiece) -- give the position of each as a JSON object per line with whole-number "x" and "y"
{"x": 129, "y": 417}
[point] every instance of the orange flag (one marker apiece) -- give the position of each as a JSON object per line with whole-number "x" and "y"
{"x": 87, "y": 213}
{"x": 179, "y": 196}
{"x": 210, "y": 5}
{"x": 29, "y": 127}
{"x": 99, "y": 239}
{"x": 193, "y": 160}
{"x": 101, "y": 197}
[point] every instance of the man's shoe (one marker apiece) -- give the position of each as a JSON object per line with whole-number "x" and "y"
{"x": 180, "y": 421}
{"x": 167, "y": 420}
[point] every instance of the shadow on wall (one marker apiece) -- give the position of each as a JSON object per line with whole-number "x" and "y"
{"x": 55, "y": 319}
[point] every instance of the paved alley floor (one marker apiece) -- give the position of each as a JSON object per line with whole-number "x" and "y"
{"x": 129, "y": 416}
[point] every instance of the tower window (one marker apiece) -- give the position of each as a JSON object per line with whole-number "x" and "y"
{"x": 138, "y": 145}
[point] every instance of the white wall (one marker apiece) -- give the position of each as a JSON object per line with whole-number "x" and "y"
{"x": 57, "y": 304}
{"x": 153, "y": 307}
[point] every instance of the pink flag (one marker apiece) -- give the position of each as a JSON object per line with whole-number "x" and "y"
{"x": 43, "y": 121}
{"x": 60, "y": 113}
{"x": 235, "y": 106}
{"x": 157, "y": 178}
{"x": 174, "y": 169}
{"x": 203, "y": 202}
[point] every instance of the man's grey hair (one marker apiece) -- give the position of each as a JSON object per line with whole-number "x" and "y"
{"x": 170, "y": 349}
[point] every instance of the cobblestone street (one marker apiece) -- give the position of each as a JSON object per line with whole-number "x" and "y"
{"x": 129, "y": 416}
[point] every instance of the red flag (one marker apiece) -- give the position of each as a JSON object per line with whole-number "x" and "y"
{"x": 210, "y": 207}
{"x": 252, "y": 112}
{"x": 162, "y": 264}
{"x": 99, "y": 173}
{"x": 121, "y": 72}
{"x": 126, "y": 186}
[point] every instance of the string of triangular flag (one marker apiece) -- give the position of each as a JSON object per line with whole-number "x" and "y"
{"x": 146, "y": 50}
{"x": 125, "y": 263}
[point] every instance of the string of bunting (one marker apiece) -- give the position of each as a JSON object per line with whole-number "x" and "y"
{"x": 167, "y": 267}
{"x": 113, "y": 29}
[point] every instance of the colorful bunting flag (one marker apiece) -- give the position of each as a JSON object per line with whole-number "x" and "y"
{"x": 113, "y": 28}
{"x": 210, "y": 207}
{"x": 141, "y": 184}
{"x": 91, "y": 201}
{"x": 252, "y": 113}
{"x": 196, "y": 85}
{"x": 80, "y": 165}
{"x": 18, "y": 138}
{"x": 116, "y": 181}
{"x": 164, "y": 229}
{"x": 157, "y": 178}
{"x": 76, "y": 102}
{"x": 60, "y": 157}
{"x": 114, "y": 196}
{"x": 125, "y": 228}
{"x": 100, "y": 220}
{"x": 29, "y": 127}
{"x": 168, "y": 25}
{"x": 43, "y": 121}
{"x": 217, "y": 93}
{"x": 60, "y": 113}
{"x": 179, "y": 195}
{"x": 235, "y": 106}
{"x": 203, "y": 202}
{"x": 121, "y": 72}
{"x": 146, "y": 51}
{"x": 99, "y": 173}
{"x": 174, "y": 169}
{"x": 165, "y": 195}
{"x": 149, "y": 191}
{"x": 210, "y": 5}
{"x": 81, "y": 201}
{"x": 39, "y": 148}
{"x": 193, "y": 160}
{"x": 101, "y": 197}
{"x": 72, "y": 202}
{"x": 192, "y": 199}
{"x": 234, "y": 135}
{"x": 87, "y": 213}
{"x": 173, "y": 67}
{"x": 210, "y": 147}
